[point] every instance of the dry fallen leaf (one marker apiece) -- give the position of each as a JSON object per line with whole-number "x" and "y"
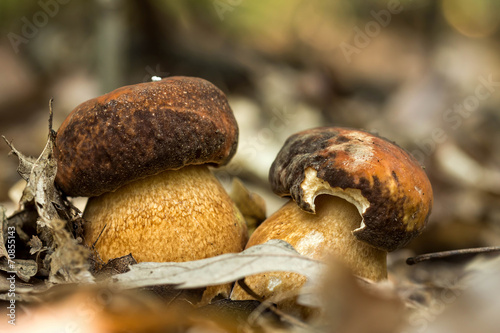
{"x": 36, "y": 244}
{"x": 275, "y": 255}
{"x": 115, "y": 266}
{"x": 64, "y": 258}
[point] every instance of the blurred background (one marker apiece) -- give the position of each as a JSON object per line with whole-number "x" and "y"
{"x": 422, "y": 73}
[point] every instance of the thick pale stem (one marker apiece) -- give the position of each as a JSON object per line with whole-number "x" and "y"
{"x": 328, "y": 232}
{"x": 319, "y": 236}
{"x": 176, "y": 215}
{"x": 179, "y": 215}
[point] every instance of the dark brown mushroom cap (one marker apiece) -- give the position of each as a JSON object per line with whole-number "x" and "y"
{"x": 386, "y": 184}
{"x": 143, "y": 129}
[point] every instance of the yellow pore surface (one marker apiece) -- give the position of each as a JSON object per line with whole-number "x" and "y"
{"x": 178, "y": 216}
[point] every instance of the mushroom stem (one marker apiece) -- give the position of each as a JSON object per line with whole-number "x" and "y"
{"x": 178, "y": 215}
{"x": 318, "y": 236}
{"x": 327, "y": 232}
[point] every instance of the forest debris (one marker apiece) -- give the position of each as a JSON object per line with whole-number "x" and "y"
{"x": 36, "y": 244}
{"x": 64, "y": 258}
{"x": 116, "y": 266}
{"x": 275, "y": 255}
{"x": 451, "y": 253}
{"x": 68, "y": 261}
{"x": 25, "y": 269}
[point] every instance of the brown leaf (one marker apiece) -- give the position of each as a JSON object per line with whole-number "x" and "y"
{"x": 116, "y": 266}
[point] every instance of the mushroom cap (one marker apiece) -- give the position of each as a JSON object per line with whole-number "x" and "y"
{"x": 143, "y": 129}
{"x": 386, "y": 184}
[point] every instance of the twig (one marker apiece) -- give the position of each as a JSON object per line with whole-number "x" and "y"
{"x": 93, "y": 245}
{"x": 52, "y": 133}
{"x": 452, "y": 253}
{"x": 249, "y": 290}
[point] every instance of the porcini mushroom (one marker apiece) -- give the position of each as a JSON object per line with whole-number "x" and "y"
{"x": 354, "y": 195}
{"x": 141, "y": 153}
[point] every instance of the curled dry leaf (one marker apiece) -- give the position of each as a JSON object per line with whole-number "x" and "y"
{"x": 24, "y": 269}
{"x": 275, "y": 255}
{"x": 65, "y": 259}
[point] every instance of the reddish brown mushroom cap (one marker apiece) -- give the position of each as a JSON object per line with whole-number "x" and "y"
{"x": 386, "y": 184}
{"x": 143, "y": 129}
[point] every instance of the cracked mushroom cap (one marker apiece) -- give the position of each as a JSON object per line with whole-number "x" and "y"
{"x": 140, "y": 130}
{"x": 386, "y": 184}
